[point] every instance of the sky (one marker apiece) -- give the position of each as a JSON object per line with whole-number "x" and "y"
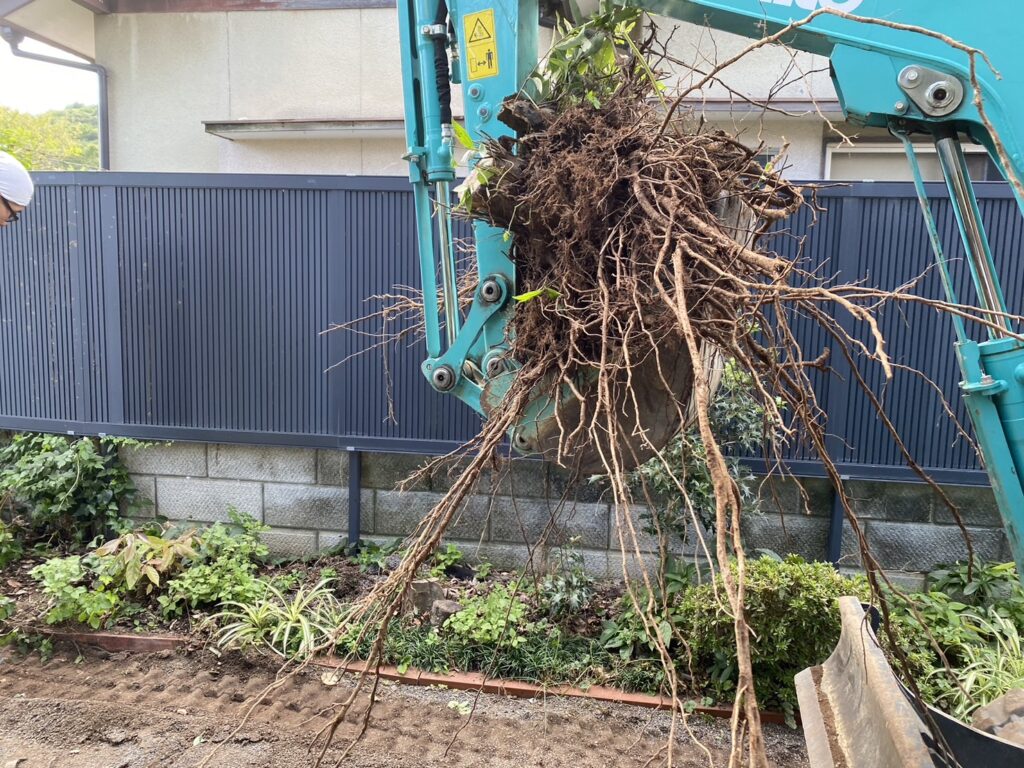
{"x": 34, "y": 86}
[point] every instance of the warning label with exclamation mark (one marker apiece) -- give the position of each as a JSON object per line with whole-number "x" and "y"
{"x": 481, "y": 45}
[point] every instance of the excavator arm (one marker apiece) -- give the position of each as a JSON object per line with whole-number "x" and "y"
{"x": 887, "y": 73}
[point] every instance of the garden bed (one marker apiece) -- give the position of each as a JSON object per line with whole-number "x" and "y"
{"x": 531, "y": 633}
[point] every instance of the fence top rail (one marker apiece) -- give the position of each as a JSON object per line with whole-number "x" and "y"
{"x": 123, "y": 179}
{"x": 986, "y": 190}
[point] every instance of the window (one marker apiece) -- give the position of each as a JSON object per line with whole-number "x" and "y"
{"x": 886, "y": 161}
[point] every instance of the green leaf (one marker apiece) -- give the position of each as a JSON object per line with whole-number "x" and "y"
{"x": 665, "y": 632}
{"x": 547, "y": 293}
{"x": 463, "y": 137}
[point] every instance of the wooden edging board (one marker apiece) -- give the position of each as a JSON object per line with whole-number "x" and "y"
{"x": 474, "y": 681}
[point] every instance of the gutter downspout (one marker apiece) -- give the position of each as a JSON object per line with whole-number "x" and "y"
{"x": 14, "y": 38}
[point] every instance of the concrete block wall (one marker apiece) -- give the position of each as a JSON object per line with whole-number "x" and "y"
{"x": 302, "y": 494}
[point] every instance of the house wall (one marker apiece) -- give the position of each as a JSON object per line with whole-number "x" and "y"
{"x": 170, "y": 72}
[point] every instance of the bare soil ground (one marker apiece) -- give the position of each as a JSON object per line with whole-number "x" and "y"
{"x": 125, "y": 711}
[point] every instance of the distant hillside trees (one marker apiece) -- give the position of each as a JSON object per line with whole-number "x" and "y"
{"x": 59, "y": 140}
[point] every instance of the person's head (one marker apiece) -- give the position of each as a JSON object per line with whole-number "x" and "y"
{"x": 16, "y": 189}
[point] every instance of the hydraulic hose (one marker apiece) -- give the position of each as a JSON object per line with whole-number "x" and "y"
{"x": 441, "y": 70}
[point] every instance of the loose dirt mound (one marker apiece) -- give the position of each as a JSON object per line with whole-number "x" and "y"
{"x": 155, "y": 711}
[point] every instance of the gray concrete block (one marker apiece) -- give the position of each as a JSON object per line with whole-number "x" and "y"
{"x": 444, "y": 475}
{"x": 915, "y": 547}
{"x": 312, "y": 506}
{"x": 263, "y": 462}
{"x": 977, "y": 506}
{"x": 600, "y": 564}
{"x": 145, "y": 485}
{"x": 285, "y": 543}
{"x": 387, "y": 470}
{"x": 520, "y": 521}
{"x": 1006, "y": 554}
{"x": 509, "y": 557}
{"x": 332, "y": 467}
{"x": 472, "y": 522}
{"x": 818, "y": 494}
{"x": 849, "y": 551}
{"x": 532, "y": 478}
{"x": 207, "y": 500}
{"x": 906, "y": 580}
{"x": 635, "y": 567}
{"x": 398, "y": 513}
{"x": 504, "y": 557}
{"x": 899, "y": 502}
{"x": 648, "y": 542}
{"x": 179, "y": 459}
{"x": 794, "y": 496}
{"x": 790, "y": 534}
{"x": 304, "y": 506}
{"x": 624, "y": 530}
{"x": 326, "y": 540}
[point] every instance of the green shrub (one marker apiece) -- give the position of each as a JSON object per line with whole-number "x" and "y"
{"x": 542, "y": 654}
{"x": 373, "y": 558}
{"x": 65, "y": 580}
{"x": 139, "y": 569}
{"x": 7, "y": 608}
{"x": 626, "y": 635}
{"x": 68, "y": 490}
{"x": 921, "y": 621}
{"x": 143, "y": 562}
{"x": 444, "y": 559}
{"x": 794, "y": 623}
{"x": 224, "y": 568}
{"x": 990, "y": 668}
{"x": 793, "y": 617}
{"x": 984, "y": 586}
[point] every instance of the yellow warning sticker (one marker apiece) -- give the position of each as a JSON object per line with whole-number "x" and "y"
{"x": 481, "y": 45}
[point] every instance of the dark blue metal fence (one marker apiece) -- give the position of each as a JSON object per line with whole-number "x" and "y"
{"x": 181, "y": 306}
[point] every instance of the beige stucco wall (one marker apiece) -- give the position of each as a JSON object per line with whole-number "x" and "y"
{"x": 167, "y": 73}
{"x": 757, "y": 74}
{"x": 171, "y": 72}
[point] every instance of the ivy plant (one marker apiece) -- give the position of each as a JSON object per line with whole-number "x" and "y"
{"x": 68, "y": 490}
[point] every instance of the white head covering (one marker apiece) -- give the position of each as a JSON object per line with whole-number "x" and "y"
{"x": 15, "y": 184}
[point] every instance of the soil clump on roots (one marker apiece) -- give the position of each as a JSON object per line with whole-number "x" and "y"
{"x": 617, "y": 221}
